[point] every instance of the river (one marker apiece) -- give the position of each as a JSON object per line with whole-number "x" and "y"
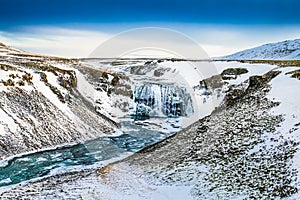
{"x": 95, "y": 152}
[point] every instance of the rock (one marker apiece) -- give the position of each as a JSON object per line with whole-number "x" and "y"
{"x": 232, "y": 73}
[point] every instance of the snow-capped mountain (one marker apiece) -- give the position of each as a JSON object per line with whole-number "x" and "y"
{"x": 48, "y": 101}
{"x": 286, "y": 50}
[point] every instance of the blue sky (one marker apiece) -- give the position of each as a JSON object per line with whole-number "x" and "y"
{"x": 32, "y": 12}
{"x": 33, "y": 24}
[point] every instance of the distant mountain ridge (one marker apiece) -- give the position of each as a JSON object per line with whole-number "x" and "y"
{"x": 286, "y": 50}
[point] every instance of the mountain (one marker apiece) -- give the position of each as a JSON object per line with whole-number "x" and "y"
{"x": 286, "y": 50}
{"x": 48, "y": 101}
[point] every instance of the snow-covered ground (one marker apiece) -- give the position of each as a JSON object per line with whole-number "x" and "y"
{"x": 186, "y": 73}
{"x": 286, "y": 90}
{"x": 283, "y": 89}
{"x": 178, "y": 181}
{"x": 183, "y": 74}
{"x": 253, "y": 69}
{"x": 45, "y": 102}
{"x": 186, "y": 166}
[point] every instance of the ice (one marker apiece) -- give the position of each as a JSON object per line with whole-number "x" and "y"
{"x": 162, "y": 100}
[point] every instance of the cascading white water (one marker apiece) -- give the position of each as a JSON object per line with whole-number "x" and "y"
{"x": 162, "y": 100}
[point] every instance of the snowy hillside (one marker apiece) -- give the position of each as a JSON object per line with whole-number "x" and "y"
{"x": 248, "y": 148}
{"x": 46, "y": 101}
{"x": 229, "y": 130}
{"x": 286, "y": 50}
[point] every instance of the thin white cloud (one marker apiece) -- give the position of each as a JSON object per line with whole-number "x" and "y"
{"x": 216, "y": 40}
{"x": 56, "y": 41}
{"x": 221, "y": 40}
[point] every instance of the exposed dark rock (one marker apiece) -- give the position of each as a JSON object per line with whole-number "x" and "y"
{"x": 259, "y": 81}
{"x": 232, "y": 73}
{"x": 295, "y": 74}
{"x": 115, "y": 80}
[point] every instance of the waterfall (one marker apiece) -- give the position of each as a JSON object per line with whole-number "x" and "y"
{"x": 162, "y": 100}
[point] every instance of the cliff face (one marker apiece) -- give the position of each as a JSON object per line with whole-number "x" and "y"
{"x": 46, "y": 101}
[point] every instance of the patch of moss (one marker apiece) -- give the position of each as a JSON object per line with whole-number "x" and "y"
{"x": 235, "y": 94}
{"x": 294, "y": 74}
{"x": 105, "y": 75}
{"x": 234, "y": 71}
{"x": 65, "y": 82}
{"x": 14, "y": 76}
{"x": 6, "y": 67}
{"x": 21, "y": 83}
{"x": 9, "y": 82}
{"x": 161, "y": 71}
{"x": 258, "y": 81}
{"x": 43, "y": 77}
{"x": 176, "y": 59}
{"x": 115, "y": 80}
{"x": 280, "y": 63}
{"x": 117, "y": 63}
{"x": 27, "y": 77}
{"x": 56, "y": 91}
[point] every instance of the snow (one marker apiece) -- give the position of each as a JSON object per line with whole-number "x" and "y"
{"x": 7, "y": 121}
{"x": 4, "y": 75}
{"x": 286, "y": 50}
{"x": 47, "y": 92}
{"x": 89, "y": 92}
{"x": 205, "y": 70}
{"x": 84, "y": 87}
{"x": 62, "y": 169}
{"x": 206, "y": 105}
{"x": 2, "y": 130}
{"x": 253, "y": 69}
{"x": 158, "y": 192}
{"x": 286, "y": 90}
{"x": 187, "y": 74}
{"x": 8, "y": 180}
{"x": 52, "y": 79}
{"x": 61, "y": 66}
